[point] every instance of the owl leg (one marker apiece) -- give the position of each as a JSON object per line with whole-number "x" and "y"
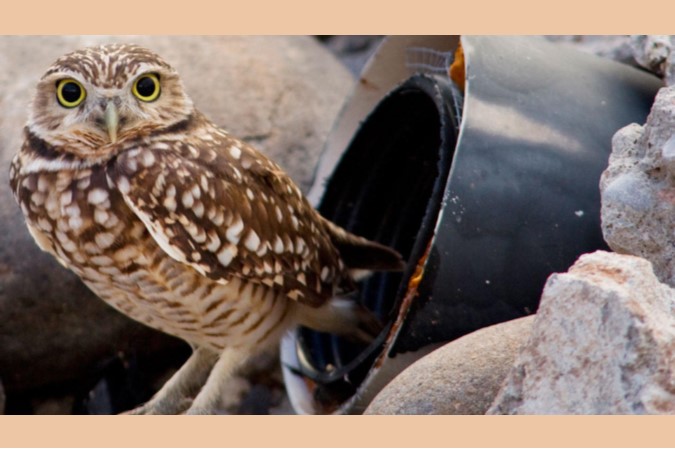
{"x": 176, "y": 394}
{"x": 210, "y": 396}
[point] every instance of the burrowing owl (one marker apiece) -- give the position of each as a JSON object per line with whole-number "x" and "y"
{"x": 176, "y": 223}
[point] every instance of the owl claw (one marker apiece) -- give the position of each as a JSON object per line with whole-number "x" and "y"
{"x": 162, "y": 407}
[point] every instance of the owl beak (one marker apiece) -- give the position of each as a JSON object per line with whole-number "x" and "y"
{"x": 112, "y": 120}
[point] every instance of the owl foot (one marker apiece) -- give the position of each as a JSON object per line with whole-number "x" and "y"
{"x": 176, "y": 395}
{"x": 196, "y": 389}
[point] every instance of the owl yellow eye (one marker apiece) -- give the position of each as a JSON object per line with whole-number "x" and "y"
{"x": 146, "y": 87}
{"x": 70, "y": 93}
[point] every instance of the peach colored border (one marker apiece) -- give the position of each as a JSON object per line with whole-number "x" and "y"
{"x": 333, "y": 431}
{"x": 338, "y": 17}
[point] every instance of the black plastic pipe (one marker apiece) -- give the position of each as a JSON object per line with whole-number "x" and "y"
{"x": 484, "y": 203}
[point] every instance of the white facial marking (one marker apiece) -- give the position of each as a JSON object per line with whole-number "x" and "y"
{"x": 218, "y": 219}
{"x": 44, "y": 224}
{"x": 235, "y": 152}
{"x": 84, "y": 183}
{"x": 252, "y": 241}
{"x": 214, "y": 242}
{"x": 226, "y": 255}
{"x": 170, "y": 203}
{"x": 148, "y": 158}
{"x": 72, "y": 210}
{"x": 97, "y": 196}
{"x": 49, "y": 165}
{"x": 100, "y": 216}
{"x": 66, "y": 197}
{"x": 299, "y": 245}
{"x": 234, "y": 231}
{"x": 278, "y": 245}
{"x": 237, "y": 174}
{"x": 75, "y": 222}
{"x": 38, "y": 198}
{"x": 198, "y": 209}
{"x": 161, "y": 146}
{"x": 123, "y": 185}
{"x": 42, "y": 183}
{"x": 104, "y": 240}
{"x": 125, "y": 254}
{"x": 101, "y": 260}
{"x": 187, "y": 199}
{"x": 132, "y": 164}
{"x": 196, "y": 192}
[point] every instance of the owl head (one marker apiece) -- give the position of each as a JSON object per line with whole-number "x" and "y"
{"x": 92, "y": 101}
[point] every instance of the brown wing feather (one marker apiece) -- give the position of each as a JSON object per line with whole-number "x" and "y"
{"x": 226, "y": 210}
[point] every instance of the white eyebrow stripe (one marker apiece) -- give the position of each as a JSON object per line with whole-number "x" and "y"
{"x": 53, "y": 165}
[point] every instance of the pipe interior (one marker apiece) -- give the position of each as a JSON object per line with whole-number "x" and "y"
{"x": 386, "y": 188}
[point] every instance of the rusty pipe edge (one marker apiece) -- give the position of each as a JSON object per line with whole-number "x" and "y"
{"x": 485, "y": 197}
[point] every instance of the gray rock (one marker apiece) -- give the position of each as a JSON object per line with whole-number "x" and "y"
{"x": 462, "y": 377}
{"x": 282, "y": 94}
{"x": 655, "y": 53}
{"x": 353, "y": 50}
{"x": 638, "y": 189}
{"x": 615, "y": 47}
{"x": 651, "y": 51}
{"x": 603, "y": 342}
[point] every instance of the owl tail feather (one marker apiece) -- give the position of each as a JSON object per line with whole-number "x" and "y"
{"x": 362, "y": 254}
{"x": 343, "y": 317}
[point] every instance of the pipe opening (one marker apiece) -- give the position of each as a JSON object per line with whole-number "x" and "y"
{"x": 387, "y": 187}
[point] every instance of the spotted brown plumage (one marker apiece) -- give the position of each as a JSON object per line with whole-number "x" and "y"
{"x": 178, "y": 224}
{"x": 228, "y": 213}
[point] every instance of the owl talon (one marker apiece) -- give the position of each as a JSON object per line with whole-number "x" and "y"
{"x": 201, "y": 411}
{"x": 162, "y": 407}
